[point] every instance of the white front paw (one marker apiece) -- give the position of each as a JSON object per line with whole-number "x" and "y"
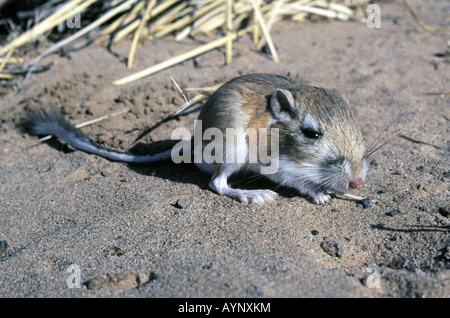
{"x": 321, "y": 198}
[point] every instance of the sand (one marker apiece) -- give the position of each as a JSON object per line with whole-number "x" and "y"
{"x": 69, "y": 219}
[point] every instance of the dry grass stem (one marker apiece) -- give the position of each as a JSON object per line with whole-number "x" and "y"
{"x": 229, "y": 44}
{"x": 265, "y": 32}
{"x": 178, "y": 59}
{"x": 137, "y": 34}
{"x": 419, "y": 21}
{"x": 351, "y": 197}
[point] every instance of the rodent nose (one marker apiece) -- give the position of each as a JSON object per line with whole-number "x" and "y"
{"x": 355, "y": 183}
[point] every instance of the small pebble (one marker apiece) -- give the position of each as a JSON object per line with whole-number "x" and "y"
{"x": 331, "y": 248}
{"x": 105, "y": 174}
{"x": 446, "y": 174}
{"x": 315, "y": 232}
{"x": 266, "y": 49}
{"x": 421, "y": 187}
{"x": 446, "y": 253}
{"x": 254, "y": 291}
{"x": 3, "y": 247}
{"x": 366, "y": 202}
{"x": 208, "y": 266}
{"x": 123, "y": 178}
{"x": 399, "y": 262}
{"x": 116, "y": 251}
{"x": 444, "y": 211}
{"x": 181, "y": 204}
{"x": 421, "y": 218}
{"x": 425, "y": 208}
{"x": 394, "y": 212}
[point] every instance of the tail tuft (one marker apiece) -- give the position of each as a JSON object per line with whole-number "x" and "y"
{"x": 49, "y": 122}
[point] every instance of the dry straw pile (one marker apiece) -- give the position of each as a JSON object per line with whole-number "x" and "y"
{"x": 111, "y": 21}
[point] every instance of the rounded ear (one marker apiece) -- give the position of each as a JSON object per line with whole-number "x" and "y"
{"x": 282, "y": 102}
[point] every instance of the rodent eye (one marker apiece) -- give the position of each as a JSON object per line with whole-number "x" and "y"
{"x": 311, "y": 133}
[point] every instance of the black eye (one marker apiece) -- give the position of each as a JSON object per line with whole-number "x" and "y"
{"x": 311, "y": 133}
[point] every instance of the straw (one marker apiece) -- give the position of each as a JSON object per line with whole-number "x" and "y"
{"x": 101, "y": 20}
{"x": 60, "y": 16}
{"x": 180, "y": 90}
{"x": 138, "y": 32}
{"x": 229, "y": 44}
{"x": 15, "y": 60}
{"x": 180, "y": 58}
{"x": 266, "y": 33}
{"x": 188, "y": 104}
{"x": 255, "y": 26}
{"x": 419, "y": 21}
{"x": 351, "y": 197}
{"x": 273, "y": 15}
{"x": 6, "y": 59}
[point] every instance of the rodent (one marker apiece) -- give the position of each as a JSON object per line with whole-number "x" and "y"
{"x": 320, "y": 148}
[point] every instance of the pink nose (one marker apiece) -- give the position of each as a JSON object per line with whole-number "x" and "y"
{"x": 356, "y": 183}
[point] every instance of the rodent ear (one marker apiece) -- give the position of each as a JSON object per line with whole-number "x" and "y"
{"x": 282, "y": 101}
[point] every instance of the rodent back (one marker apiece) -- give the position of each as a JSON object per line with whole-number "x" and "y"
{"x": 240, "y": 100}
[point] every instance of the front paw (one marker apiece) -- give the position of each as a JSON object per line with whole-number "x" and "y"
{"x": 321, "y": 198}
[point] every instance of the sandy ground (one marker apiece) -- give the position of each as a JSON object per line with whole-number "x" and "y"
{"x": 64, "y": 212}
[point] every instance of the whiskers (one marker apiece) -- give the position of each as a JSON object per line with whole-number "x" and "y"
{"x": 311, "y": 178}
{"x": 389, "y": 134}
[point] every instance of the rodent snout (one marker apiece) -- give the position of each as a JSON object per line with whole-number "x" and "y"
{"x": 355, "y": 182}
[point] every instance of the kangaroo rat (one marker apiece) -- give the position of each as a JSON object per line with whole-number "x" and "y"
{"x": 315, "y": 142}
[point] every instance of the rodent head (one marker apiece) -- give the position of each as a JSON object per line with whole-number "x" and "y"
{"x": 321, "y": 146}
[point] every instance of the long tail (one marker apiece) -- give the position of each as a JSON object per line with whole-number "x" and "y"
{"x": 44, "y": 122}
